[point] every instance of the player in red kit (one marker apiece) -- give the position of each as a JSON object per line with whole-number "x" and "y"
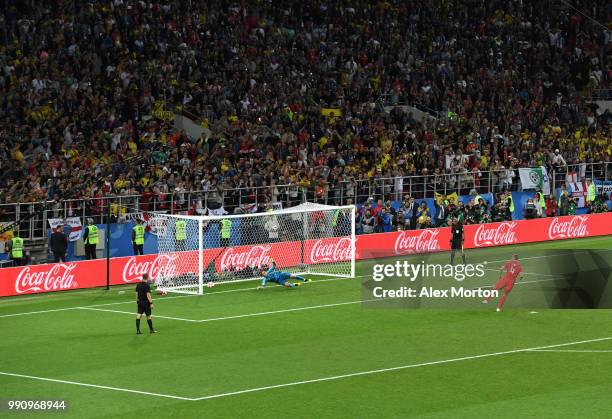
{"x": 513, "y": 271}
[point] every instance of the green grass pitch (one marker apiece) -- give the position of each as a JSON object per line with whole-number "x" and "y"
{"x": 311, "y": 352}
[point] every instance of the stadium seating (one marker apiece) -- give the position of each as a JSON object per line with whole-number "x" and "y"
{"x": 309, "y": 100}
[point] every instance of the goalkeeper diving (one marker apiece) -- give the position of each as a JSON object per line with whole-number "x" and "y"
{"x": 280, "y": 277}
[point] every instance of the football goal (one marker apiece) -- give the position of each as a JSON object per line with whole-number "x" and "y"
{"x": 200, "y": 251}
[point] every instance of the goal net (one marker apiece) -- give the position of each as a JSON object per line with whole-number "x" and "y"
{"x": 199, "y": 251}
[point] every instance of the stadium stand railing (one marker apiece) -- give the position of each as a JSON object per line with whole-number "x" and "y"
{"x": 32, "y": 216}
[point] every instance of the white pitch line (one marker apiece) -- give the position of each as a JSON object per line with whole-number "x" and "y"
{"x": 558, "y": 276}
{"x": 520, "y": 282}
{"x": 76, "y": 383}
{"x": 537, "y": 280}
{"x": 287, "y": 310}
{"x": 161, "y": 299}
{"x": 572, "y": 350}
{"x": 315, "y": 380}
{"x": 403, "y": 367}
{"x": 238, "y": 316}
{"x": 314, "y": 281}
{"x": 548, "y": 256}
{"x": 39, "y": 312}
{"x": 132, "y": 313}
{"x": 251, "y": 289}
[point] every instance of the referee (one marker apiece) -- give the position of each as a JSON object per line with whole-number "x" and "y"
{"x": 457, "y": 240}
{"x": 145, "y": 303}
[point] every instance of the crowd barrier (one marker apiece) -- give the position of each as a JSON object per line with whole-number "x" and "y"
{"x": 124, "y": 270}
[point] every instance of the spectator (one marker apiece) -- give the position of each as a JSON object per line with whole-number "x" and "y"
{"x": 368, "y": 222}
{"x": 385, "y": 221}
{"x": 88, "y": 107}
{"x": 58, "y": 244}
{"x": 558, "y": 162}
{"x": 410, "y": 210}
{"x": 272, "y": 227}
{"x": 540, "y": 206}
{"x": 571, "y": 207}
{"x": 530, "y": 210}
{"x": 551, "y": 206}
{"x": 563, "y": 204}
{"x": 423, "y": 216}
{"x": 401, "y": 223}
{"x": 441, "y": 213}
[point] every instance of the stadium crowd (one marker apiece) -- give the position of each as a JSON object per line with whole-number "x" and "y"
{"x": 80, "y": 84}
{"x": 379, "y": 217}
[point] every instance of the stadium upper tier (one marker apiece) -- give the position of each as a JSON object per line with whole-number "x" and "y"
{"x": 292, "y": 92}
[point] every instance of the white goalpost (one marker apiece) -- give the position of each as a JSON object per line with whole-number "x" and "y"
{"x": 200, "y": 251}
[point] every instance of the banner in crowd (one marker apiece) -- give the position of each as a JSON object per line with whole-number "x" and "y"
{"x": 217, "y": 212}
{"x": 535, "y": 177}
{"x": 603, "y": 186}
{"x": 72, "y": 226}
{"x": 124, "y": 270}
{"x": 578, "y": 191}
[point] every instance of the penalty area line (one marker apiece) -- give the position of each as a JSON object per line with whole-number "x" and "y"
{"x": 402, "y": 367}
{"x": 77, "y": 383}
{"x": 296, "y": 383}
{"x": 38, "y": 312}
{"x": 287, "y": 310}
{"x": 132, "y": 313}
{"x": 160, "y": 299}
{"x": 239, "y": 316}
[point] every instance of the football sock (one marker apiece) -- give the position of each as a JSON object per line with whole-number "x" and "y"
{"x": 138, "y": 325}
{"x": 463, "y": 258}
{"x": 150, "y": 322}
{"x": 502, "y": 300}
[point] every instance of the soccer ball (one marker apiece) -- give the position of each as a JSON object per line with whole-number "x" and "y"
{"x": 210, "y": 284}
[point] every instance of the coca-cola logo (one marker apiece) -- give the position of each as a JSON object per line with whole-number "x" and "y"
{"x": 162, "y": 265}
{"x": 499, "y": 235}
{"x": 57, "y": 277}
{"x": 255, "y": 256}
{"x": 340, "y": 250}
{"x": 568, "y": 229}
{"x": 411, "y": 242}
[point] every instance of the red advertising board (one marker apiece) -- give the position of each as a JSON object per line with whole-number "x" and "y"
{"x": 87, "y": 274}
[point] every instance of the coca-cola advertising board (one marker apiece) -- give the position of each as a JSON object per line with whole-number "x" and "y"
{"x": 537, "y": 230}
{"x": 87, "y": 274}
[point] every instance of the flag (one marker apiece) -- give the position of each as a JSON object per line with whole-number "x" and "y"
{"x": 452, "y": 198}
{"x": 71, "y": 225}
{"x": 535, "y": 177}
{"x": 578, "y": 191}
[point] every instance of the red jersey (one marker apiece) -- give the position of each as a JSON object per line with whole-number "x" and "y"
{"x": 513, "y": 269}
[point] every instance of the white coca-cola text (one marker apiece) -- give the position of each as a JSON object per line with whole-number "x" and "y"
{"x": 499, "y": 235}
{"x": 337, "y": 251}
{"x": 54, "y": 278}
{"x": 255, "y": 256}
{"x": 162, "y": 265}
{"x": 568, "y": 229}
{"x": 417, "y": 242}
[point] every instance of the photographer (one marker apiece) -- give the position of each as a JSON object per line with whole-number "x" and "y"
{"x": 530, "y": 210}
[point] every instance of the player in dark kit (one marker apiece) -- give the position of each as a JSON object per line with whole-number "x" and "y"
{"x": 457, "y": 240}
{"x": 145, "y": 303}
